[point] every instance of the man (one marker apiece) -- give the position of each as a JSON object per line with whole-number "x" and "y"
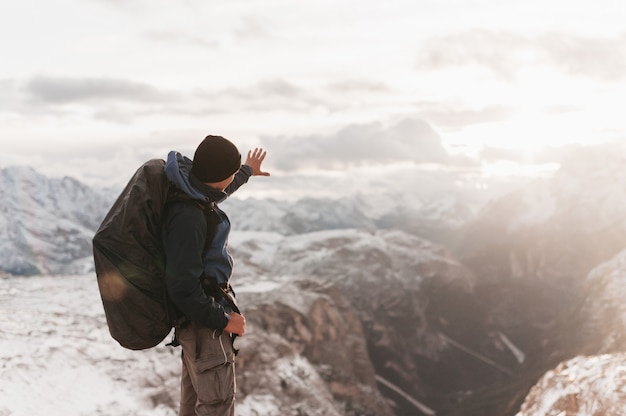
{"x": 198, "y": 267}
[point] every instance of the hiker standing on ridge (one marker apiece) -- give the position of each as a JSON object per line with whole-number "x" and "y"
{"x": 198, "y": 267}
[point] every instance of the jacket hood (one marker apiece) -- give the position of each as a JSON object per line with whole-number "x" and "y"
{"x": 178, "y": 170}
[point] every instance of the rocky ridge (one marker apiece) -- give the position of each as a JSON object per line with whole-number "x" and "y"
{"x": 591, "y": 383}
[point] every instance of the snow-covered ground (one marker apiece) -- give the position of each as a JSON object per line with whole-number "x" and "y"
{"x": 57, "y": 357}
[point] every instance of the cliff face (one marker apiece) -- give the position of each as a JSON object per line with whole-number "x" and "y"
{"x": 602, "y": 315}
{"x": 532, "y": 252}
{"x": 370, "y": 309}
{"x": 312, "y": 331}
{"x": 593, "y": 382}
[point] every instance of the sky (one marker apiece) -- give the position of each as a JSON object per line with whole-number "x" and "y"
{"x": 92, "y": 88}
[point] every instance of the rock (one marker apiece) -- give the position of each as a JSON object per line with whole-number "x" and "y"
{"x": 582, "y": 386}
{"x": 603, "y": 313}
{"x": 307, "y": 351}
{"x": 359, "y": 303}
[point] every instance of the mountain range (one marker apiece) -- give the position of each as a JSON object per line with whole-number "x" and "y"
{"x": 48, "y": 223}
{"x": 451, "y": 305}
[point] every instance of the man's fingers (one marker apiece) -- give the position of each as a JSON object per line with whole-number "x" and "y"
{"x": 258, "y": 153}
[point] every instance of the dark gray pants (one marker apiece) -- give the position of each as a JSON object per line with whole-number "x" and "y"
{"x": 208, "y": 374}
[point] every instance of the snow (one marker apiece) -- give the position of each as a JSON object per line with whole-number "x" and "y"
{"x": 58, "y": 358}
{"x": 259, "y": 405}
{"x": 259, "y": 287}
{"x": 263, "y": 245}
{"x": 519, "y": 355}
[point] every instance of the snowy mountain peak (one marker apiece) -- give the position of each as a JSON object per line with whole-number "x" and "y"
{"x": 47, "y": 223}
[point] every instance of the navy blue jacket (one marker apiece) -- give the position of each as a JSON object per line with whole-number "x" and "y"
{"x": 184, "y": 238}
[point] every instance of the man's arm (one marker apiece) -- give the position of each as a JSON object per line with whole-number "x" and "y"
{"x": 241, "y": 177}
{"x": 252, "y": 167}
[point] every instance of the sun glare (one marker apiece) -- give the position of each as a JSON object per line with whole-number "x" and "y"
{"x": 508, "y": 168}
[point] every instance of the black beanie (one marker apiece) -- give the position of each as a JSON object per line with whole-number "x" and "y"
{"x": 215, "y": 159}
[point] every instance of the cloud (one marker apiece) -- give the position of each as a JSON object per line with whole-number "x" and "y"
{"x": 496, "y": 154}
{"x": 179, "y": 38}
{"x": 358, "y": 86}
{"x": 275, "y": 94}
{"x": 67, "y": 90}
{"x": 600, "y": 58}
{"x": 504, "y": 53}
{"x": 545, "y": 155}
{"x": 271, "y": 88}
{"x": 265, "y": 95}
{"x": 123, "y": 101}
{"x": 252, "y": 28}
{"x": 493, "y": 50}
{"x": 446, "y": 116}
{"x": 8, "y": 93}
{"x": 410, "y": 140}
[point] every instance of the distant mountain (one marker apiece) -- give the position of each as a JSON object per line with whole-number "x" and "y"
{"x": 47, "y": 224}
{"x": 547, "y": 236}
{"x": 555, "y": 229}
{"x": 432, "y": 216}
{"x": 533, "y": 250}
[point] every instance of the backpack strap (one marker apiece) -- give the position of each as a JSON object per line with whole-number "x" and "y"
{"x": 208, "y": 208}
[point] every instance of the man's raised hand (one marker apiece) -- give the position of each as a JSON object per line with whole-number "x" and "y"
{"x": 254, "y": 160}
